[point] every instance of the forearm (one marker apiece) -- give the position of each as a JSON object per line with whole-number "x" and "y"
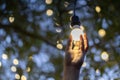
{"x": 71, "y": 68}
{"x": 71, "y": 73}
{"x": 74, "y": 57}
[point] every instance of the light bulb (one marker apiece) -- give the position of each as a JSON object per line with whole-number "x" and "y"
{"x": 76, "y": 32}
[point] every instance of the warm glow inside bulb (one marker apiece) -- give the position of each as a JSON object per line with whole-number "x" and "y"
{"x": 76, "y": 34}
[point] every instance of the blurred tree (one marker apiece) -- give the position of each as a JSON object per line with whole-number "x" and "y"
{"x": 33, "y": 34}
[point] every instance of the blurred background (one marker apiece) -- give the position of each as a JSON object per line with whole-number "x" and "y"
{"x": 33, "y": 36}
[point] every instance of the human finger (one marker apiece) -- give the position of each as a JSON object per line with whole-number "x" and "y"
{"x": 85, "y": 39}
{"x": 69, "y": 43}
{"x": 81, "y": 45}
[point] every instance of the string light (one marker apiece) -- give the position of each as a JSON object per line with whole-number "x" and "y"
{"x": 28, "y": 69}
{"x": 70, "y": 12}
{"x": 4, "y": 56}
{"x": 66, "y": 4}
{"x": 58, "y": 30}
{"x": 57, "y": 24}
{"x": 104, "y": 56}
{"x": 102, "y": 32}
{"x": 58, "y": 41}
{"x": 11, "y": 19}
{"x": 13, "y": 69}
{"x": 15, "y": 62}
{"x": 98, "y": 9}
{"x": 59, "y": 46}
{"x": 23, "y": 77}
{"x": 49, "y": 12}
{"x": 97, "y": 71}
{"x": 48, "y": 1}
{"x": 30, "y": 57}
{"x": 17, "y": 76}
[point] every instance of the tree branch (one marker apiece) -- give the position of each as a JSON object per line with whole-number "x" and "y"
{"x": 30, "y": 34}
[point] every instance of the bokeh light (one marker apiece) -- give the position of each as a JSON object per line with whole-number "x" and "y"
{"x": 49, "y": 12}
{"x": 17, "y": 76}
{"x": 59, "y": 46}
{"x": 23, "y": 77}
{"x": 58, "y": 30}
{"x": 28, "y": 69}
{"x": 66, "y": 4}
{"x": 70, "y": 12}
{"x": 4, "y": 56}
{"x": 48, "y": 1}
{"x": 105, "y": 56}
{"x": 30, "y": 57}
{"x": 11, "y": 19}
{"x": 58, "y": 41}
{"x": 102, "y": 32}
{"x": 15, "y": 62}
{"x": 13, "y": 69}
{"x": 97, "y": 9}
{"x": 97, "y": 72}
{"x": 57, "y": 24}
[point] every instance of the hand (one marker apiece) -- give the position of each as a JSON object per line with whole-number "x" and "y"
{"x": 76, "y": 50}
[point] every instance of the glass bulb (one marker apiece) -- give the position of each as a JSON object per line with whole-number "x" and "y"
{"x": 76, "y": 32}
